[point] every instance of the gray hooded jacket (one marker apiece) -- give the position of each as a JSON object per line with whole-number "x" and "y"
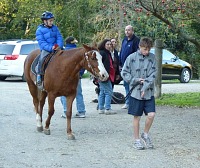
{"x": 138, "y": 66}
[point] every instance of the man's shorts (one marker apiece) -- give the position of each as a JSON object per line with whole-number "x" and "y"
{"x": 138, "y": 107}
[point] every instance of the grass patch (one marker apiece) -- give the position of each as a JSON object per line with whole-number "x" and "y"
{"x": 180, "y": 99}
{"x": 177, "y": 81}
{"x": 170, "y": 81}
{"x": 86, "y": 75}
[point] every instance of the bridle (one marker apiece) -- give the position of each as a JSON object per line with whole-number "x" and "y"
{"x": 88, "y": 62}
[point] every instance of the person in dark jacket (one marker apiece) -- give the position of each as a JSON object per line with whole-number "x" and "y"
{"x": 80, "y": 105}
{"x": 106, "y": 91}
{"x": 115, "y": 57}
{"x": 130, "y": 44}
{"x": 49, "y": 39}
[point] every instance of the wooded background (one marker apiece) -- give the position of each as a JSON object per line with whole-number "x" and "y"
{"x": 176, "y": 22}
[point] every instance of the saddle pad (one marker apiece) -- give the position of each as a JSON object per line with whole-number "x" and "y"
{"x": 34, "y": 64}
{"x": 48, "y": 59}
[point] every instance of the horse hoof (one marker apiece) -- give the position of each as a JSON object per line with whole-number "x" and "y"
{"x": 40, "y": 129}
{"x": 70, "y": 137}
{"x": 47, "y": 131}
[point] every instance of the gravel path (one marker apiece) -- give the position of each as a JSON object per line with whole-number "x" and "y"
{"x": 101, "y": 141}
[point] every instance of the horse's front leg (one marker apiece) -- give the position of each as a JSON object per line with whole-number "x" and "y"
{"x": 70, "y": 100}
{"x": 51, "y": 101}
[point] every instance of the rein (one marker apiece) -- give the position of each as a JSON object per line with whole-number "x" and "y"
{"x": 88, "y": 62}
{"x": 126, "y": 97}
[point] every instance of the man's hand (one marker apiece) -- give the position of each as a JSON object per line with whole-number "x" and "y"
{"x": 142, "y": 94}
{"x": 141, "y": 81}
{"x": 120, "y": 68}
{"x": 117, "y": 77}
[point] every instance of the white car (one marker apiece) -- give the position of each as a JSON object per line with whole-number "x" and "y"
{"x": 12, "y": 56}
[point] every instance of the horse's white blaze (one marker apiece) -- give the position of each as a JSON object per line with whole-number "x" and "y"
{"x": 104, "y": 75}
{"x": 38, "y": 119}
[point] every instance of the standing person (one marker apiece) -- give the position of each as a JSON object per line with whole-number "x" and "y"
{"x": 115, "y": 58}
{"x": 105, "y": 95}
{"x": 80, "y": 105}
{"x": 139, "y": 72}
{"x": 129, "y": 46}
{"x": 49, "y": 39}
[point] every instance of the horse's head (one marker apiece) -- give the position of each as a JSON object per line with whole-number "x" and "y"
{"x": 94, "y": 63}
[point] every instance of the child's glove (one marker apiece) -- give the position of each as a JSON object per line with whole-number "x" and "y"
{"x": 56, "y": 47}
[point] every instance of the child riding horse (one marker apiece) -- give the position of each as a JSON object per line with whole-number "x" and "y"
{"x": 61, "y": 79}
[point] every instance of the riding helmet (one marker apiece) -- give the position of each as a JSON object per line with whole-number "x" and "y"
{"x": 47, "y": 15}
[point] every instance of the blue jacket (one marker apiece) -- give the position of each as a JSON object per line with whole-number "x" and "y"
{"x": 71, "y": 46}
{"x": 128, "y": 47}
{"x": 47, "y": 37}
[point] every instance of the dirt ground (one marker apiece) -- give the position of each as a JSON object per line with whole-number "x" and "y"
{"x": 102, "y": 141}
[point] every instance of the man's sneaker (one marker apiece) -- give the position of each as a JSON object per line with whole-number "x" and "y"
{"x": 80, "y": 115}
{"x": 101, "y": 111}
{"x": 125, "y": 106}
{"x": 147, "y": 141}
{"x": 95, "y": 101}
{"x": 39, "y": 80}
{"x": 109, "y": 112}
{"x": 138, "y": 145}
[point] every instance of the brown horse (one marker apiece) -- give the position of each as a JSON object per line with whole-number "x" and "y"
{"x": 61, "y": 79}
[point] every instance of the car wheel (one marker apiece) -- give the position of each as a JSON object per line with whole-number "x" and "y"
{"x": 185, "y": 75}
{"x": 2, "y": 78}
{"x": 23, "y": 78}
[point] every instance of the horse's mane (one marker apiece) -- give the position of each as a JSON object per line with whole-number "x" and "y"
{"x": 94, "y": 47}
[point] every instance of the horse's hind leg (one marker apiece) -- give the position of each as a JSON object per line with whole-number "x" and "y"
{"x": 51, "y": 101}
{"x": 36, "y": 101}
{"x": 41, "y": 97}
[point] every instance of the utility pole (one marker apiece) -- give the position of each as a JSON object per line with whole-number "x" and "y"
{"x": 158, "y": 55}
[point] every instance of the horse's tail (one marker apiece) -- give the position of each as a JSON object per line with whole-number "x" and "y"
{"x": 30, "y": 78}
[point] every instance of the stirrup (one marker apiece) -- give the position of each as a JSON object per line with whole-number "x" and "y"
{"x": 38, "y": 80}
{"x": 39, "y": 83}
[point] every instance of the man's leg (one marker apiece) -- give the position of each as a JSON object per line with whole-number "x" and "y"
{"x": 126, "y": 86}
{"x": 101, "y": 98}
{"x": 149, "y": 121}
{"x": 136, "y": 126}
{"x": 42, "y": 56}
{"x": 79, "y": 101}
{"x": 145, "y": 135}
{"x": 64, "y": 104}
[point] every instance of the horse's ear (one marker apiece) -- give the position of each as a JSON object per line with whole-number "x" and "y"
{"x": 87, "y": 47}
{"x": 95, "y": 44}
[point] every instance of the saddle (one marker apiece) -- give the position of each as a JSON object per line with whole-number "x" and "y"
{"x": 45, "y": 64}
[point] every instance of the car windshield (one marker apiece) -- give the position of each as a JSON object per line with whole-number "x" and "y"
{"x": 27, "y": 48}
{"x": 6, "y": 49}
{"x": 167, "y": 55}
